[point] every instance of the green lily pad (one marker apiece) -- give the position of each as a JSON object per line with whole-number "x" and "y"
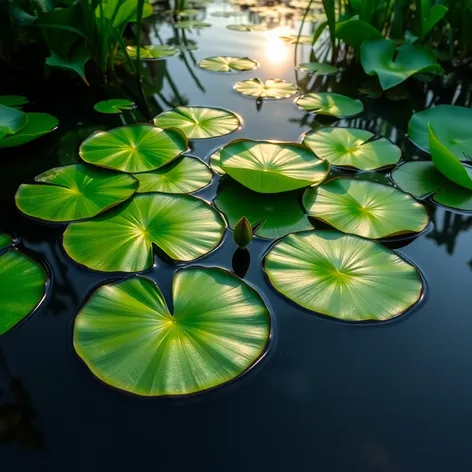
{"x": 393, "y": 66}
{"x": 128, "y": 338}
{"x": 294, "y": 39}
{"x": 200, "y": 122}
{"x": 184, "y": 175}
{"x": 183, "y": 227}
{"x": 15, "y": 101}
{"x": 343, "y": 276}
{"x": 137, "y": 148}
{"x": 152, "y": 52}
{"x": 272, "y": 166}
{"x": 270, "y": 217}
{"x": 215, "y": 162}
{"x": 247, "y": 27}
{"x": 191, "y": 24}
{"x": 352, "y": 148}
{"x": 326, "y": 103}
{"x": 452, "y": 126}
{"x": 228, "y": 64}
{"x": 74, "y": 192}
{"x": 318, "y": 67}
{"x": 38, "y": 125}
{"x": 271, "y": 88}
{"x": 224, "y": 14}
{"x": 11, "y": 120}
{"x": 23, "y": 283}
{"x": 113, "y": 106}
{"x": 5, "y": 241}
{"x": 365, "y": 208}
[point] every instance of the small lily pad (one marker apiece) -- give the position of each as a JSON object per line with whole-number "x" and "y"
{"x": 326, "y": 103}
{"x": 318, "y": 68}
{"x": 11, "y": 120}
{"x": 113, "y": 106}
{"x": 15, "y": 101}
{"x": 38, "y": 125}
{"x": 271, "y": 88}
{"x": 228, "y": 64}
{"x": 191, "y": 24}
{"x": 365, "y": 208}
{"x": 294, "y": 39}
{"x": 247, "y": 27}
{"x": 152, "y": 52}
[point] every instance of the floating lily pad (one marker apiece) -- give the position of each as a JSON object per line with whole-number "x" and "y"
{"x": 294, "y": 39}
{"x": 318, "y": 67}
{"x": 185, "y": 12}
{"x": 271, "y": 88}
{"x": 215, "y": 162}
{"x": 343, "y": 276}
{"x": 199, "y": 122}
{"x": 192, "y": 24}
{"x": 326, "y": 103}
{"x": 270, "y": 217}
{"x": 352, "y": 148}
{"x": 23, "y": 283}
{"x": 16, "y": 101}
{"x": 74, "y": 192}
{"x": 365, "y": 208}
{"x": 184, "y": 175}
{"x": 113, "y": 106}
{"x": 11, "y": 120}
{"x": 224, "y": 14}
{"x": 128, "y": 338}
{"x": 152, "y": 52}
{"x": 394, "y": 65}
{"x": 271, "y": 166}
{"x": 247, "y": 27}
{"x": 183, "y": 227}
{"x": 5, "y": 241}
{"x": 137, "y": 148}
{"x": 228, "y": 64}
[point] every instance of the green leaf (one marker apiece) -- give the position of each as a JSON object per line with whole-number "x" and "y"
{"x": 377, "y": 58}
{"x": 113, "y": 106}
{"x": 271, "y": 166}
{"x": 152, "y": 52}
{"x": 343, "y": 276}
{"x": 352, "y": 148}
{"x": 434, "y": 16}
{"x": 38, "y": 125}
{"x": 75, "y": 63}
{"x": 74, "y": 192}
{"x": 271, "y": 88}
{"x": 184, "y": 228}
{"x": 200, "y": 122}
{"x": 294, "y": 39}
{"x": 228, "y": 64}
{"x": 184, "y": 175}
{"x": 326, "y": 103}
{"x": 15, "y": 101}
{"x": 137, "y": 148}
{"x": 330, "y": 11}
{"x": 191, "y": 24}
{"x": 23, "y": 283}
{"x": 354, "y": 32}
{"x": 5, "y": 241}
{"x": 11, "y": 120}
{"x": 128, "y": 338}
{"x": 247, "y": 28}
{"x": 318, "y": 67}
{"x": 365, "y": 208}
{"x": 127, "y": 12}
{"x": 242, "y": 233}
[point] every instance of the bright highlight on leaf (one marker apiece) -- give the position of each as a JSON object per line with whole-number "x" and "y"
{"x": 152, "y": 52}
{"x": 326, "y": 103}
{"x": 228, "y": 64}
{"x": 318, "y": 68}
{"x": 113, "y": 106}
{"x": 271, "y": 88}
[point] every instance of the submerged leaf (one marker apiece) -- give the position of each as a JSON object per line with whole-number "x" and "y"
{"x": 326, "y": 103}
{"x": 228, "y": 64}
{"x": 271, "y": 88}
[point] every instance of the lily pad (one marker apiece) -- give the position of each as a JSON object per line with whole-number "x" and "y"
{"x": 271, "y": 218}
{"x": 200, "y": 122}
{"x": 352, "y": 148}
{"x": 247, "y": 27}
{"x": 74, "y": 192}
{"x": 137, "y": 148}
{"x": 113, "y": 106}
{"x": 294, "y": 39}
{"x": 365, "y": 208}
{"x": 128, "y": 338}
{"x": 343, "y": 276}
{"x": 183, "y": 227}
{"x": 38, "y": 125}
{"x": 228, "y": 64}
{"x": 16, "y": 101}
{"x": 184, "y": 175}
{"x": 215, "y": 162}
{"x": 272, "y": 166}
{"x": 5, "y": 241}
{"x": 23, "y": 283}
{"x": 393, "y": 66}
{"x": 326, "y": 103}
{"x": 451, "y": 124}
{"x": 192, "y": 24}
{"x": 271, "y": 88}
{"x": 11, "y": 120}
{"x": 318, "y": 67}
{"x": 152, "y": 52}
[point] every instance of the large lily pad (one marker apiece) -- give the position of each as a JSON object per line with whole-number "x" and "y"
{"x": 128, "y": 338}
{"x": 343, "y": 276}
{"x": 247, "y": 27}
{"x": 38, "y": 125}
{"x": 272, "y": 166}
{"x": 137, "y": 148}
{"x": 113, "y": 106}
{"x": 294, "y": 39}
{"x": 11, "y": 120}
{"x": 184, "y": 228}
{"x": 365, "y": 208}
{"x": 318, "y": 68}
{"x": 393, "y": 66}
{"x": 184, "y": 175}
{"x": 271, "y": 88}
{"x": 228, "y": 64}
{"x": 352, "y": 148}
{"x": 152, "y": 52}
{"x": 74, "y": 192}
{"x": 326, "y": 103}
{"x": 200, "y": 122}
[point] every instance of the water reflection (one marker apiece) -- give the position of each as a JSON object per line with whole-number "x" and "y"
{"x": 275, "y": 50}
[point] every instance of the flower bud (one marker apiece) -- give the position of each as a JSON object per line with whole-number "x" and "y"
{"x": 242, "y": 233}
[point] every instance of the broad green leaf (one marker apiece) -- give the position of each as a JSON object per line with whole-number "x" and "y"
{"x": 137, "y": 148}
{"x": 228, "y": 64}
{"x": 184, "y": 175}
{"x": 185, "y": 228}
{"x": 215, "y": 162}
{"x": 129, "y": 339}
{"x": 294, "y": 39}
{"x": 75, "y": 63}
{"x": 270, "y": 217}
{"x": 199, "y": 122}
{"x": 329, "y": 7}
{"x": 74, "y": 192}
{"x": 191, "y": 24}
{"x": 352, "y": 148}
{"x": 343, "y": 276}
{"x": 326, "y": 103}
{"x": 271, "y": 166}
{"x": 318, "y": 67}
{"x": 354, "y": 32}
{"x": 11, "y": 120}
{"x": 5, "y": 241}
{"x": 113, "y": 105}
{"x": 127, "y": 12}
{"x": 38, "y": 125}
{"x": 15, "y": 101}
{"x": 247, "y": 28}
{"x": 393, "y": 66}
{"x": 23, "y": 286}
{"x": 434, "y": 16}
{"x": 271, "y": 88}
{"x": 152, "y": 52}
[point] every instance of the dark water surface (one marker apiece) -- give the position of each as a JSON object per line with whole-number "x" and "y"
{"x": 328, "y": 396}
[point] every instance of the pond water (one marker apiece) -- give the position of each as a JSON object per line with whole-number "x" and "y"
{"x": 327, "y": 396}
